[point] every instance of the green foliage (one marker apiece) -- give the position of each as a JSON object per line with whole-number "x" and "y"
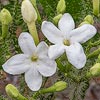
{"x": 49, "y": 7}
{"x": 2, "y": 98}
{"x": 77, "y": 8}
{"x": 78, "y": 82}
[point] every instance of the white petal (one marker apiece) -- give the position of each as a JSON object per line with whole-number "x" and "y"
{"x": 26, "y": 43}
{"x": 83, "y": 33}
{"x": 42, "y": 49}
{"x": 66, "y": 23}
{"x": 55, "y": 51}
{"x": 17, "y": 64}
{"x": 76, "y": 56}
{"x": 47, "y": 67}
{"x": 51, "y": 32}
{"x": 33, "y": 79}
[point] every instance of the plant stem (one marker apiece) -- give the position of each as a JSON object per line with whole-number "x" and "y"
{"x": 4, "y": 31}
{"x": 94, "y": 53}
{"x": 33, "y": 31}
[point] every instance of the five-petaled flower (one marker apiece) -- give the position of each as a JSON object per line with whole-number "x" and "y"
{"x": 68, "y": 39}
{"x": 34, "y": 62}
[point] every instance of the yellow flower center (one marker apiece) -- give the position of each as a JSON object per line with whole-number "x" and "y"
{"x": 34, "y": 58}
{"x": 66, "y": 42}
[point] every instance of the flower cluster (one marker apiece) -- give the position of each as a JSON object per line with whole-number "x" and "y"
{"x": 38, "y": 61}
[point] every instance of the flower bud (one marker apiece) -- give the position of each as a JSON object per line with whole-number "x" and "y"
{"x": 5, "y": 17}
{"x": 59, "y": 86}
{"x": 14, "y": 93}
{"x": 96, "y": 4}
{"x": 95, "y": 70}
{"x": 57, "y": 18}
{"x": 61, "y": 7}
{"x": 28, "y": 12}
{"x": 89, "y": 19}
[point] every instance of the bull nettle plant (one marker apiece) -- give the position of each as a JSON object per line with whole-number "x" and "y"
{"x": 65, "y": 51}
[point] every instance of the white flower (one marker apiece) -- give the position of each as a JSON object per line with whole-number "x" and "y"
{"x": 34, "y": 62}
{"x": 68, "y": 39}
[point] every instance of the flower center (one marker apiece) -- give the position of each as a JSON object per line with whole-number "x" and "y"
{"x": 66, "y": 42}
{"x": 34, "y": 58}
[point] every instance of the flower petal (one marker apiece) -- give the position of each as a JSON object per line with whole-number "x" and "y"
{"x": 17, "y": 64}
{"x": 83, "y": 33}
{"x": 42, "y": 49}
{"x": 47, "y": 67}
{"x": 76, "y": 55}
{"x": 66, "y": 23}
{"x": 26, "y": 43}
{"x": 55, "y": 51}
{"x": 51, "y": 32}
{"x": 33, "y": 78}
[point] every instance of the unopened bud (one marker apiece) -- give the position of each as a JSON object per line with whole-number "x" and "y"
{"x": 14, "y": 93}
{"x": 57, "y": 87}
{"x": 28, "y": 12}
{"x": 57, "y": 18}
{"x": 61, "y": 7}
{"x": 89, "y": 19}
{"x": 5, "y": 17}
{"x": 96, "y": 4}
{"x": 60, "y": 86}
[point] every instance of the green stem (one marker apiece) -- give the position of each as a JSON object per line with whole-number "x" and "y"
{"x": 95, "y": 43}
{"x": 33, "y": 31}
{"x": 94, "y": 53}
{"x": 57, "y": 87}
{"x": 43, "y": 91}
{"x": 60, "y": 66}
{"x": 35, "y": 95}
{"x": 20, "y": 97}
{"x": 90, "y": 45}
{"x": 4, "y": 30}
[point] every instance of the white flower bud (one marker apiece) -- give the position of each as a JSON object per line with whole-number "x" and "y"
{"x": 28, "y": 12}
